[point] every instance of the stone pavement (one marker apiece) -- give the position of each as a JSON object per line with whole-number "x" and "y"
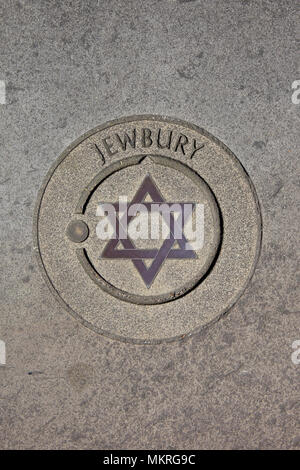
{"x": 227, "y": 67}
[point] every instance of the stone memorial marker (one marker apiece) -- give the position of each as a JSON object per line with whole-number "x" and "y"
{"x": 147, "y": 229}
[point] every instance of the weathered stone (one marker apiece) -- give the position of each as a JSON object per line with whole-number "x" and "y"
{"x": 147, "y": 291}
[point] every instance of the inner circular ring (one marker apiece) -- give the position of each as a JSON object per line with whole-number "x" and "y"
{"x": 106, "y": 286}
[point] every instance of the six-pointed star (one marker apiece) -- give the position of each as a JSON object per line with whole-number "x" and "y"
{"x": 158, "y": 255}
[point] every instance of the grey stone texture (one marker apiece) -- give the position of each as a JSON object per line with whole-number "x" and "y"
{"x": 109, "y": 296}
{"x": 227, "y": 67}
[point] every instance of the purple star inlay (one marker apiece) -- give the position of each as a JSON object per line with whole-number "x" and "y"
{"x": 166, "y": 251}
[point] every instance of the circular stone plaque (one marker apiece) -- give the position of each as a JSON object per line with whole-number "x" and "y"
{"x": 147, "y": 229}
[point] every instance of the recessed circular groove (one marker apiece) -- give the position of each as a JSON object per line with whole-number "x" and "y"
{"x": 182, "y": 289}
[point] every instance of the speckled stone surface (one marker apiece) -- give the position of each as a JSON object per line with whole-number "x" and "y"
{"x": 227, "y": 67}
{"x": 187, "y": 295}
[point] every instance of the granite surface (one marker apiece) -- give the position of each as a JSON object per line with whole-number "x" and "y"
{"x": 227, "y": 67}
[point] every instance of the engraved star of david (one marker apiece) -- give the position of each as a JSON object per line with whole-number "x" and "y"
{"x": 166, "y": 251}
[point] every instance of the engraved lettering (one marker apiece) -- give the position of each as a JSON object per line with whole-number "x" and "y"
{"x": 146, "y": 138}
{"x": 168, "y": 142}
{"x": 127, "y": 139}
{"x": 182, "y": 141}
{"x": 196, "y": 148}
{"x": 100, "y": 153}
{"x": 108, "y": 146}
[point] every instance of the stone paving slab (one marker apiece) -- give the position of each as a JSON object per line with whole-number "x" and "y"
{"x": 227, "y": 67}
